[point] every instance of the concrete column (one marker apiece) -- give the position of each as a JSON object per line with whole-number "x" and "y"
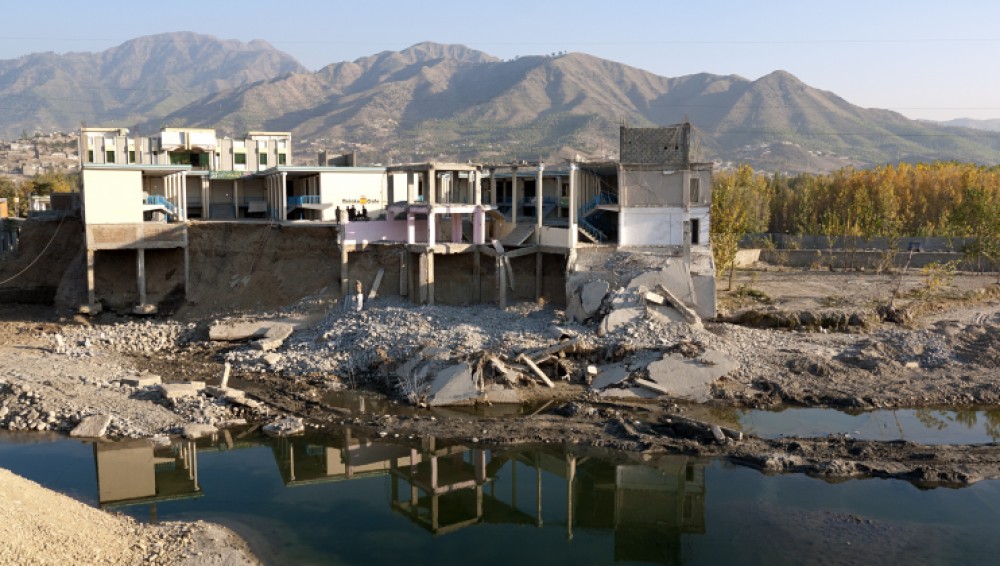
{"x": 456, "y": 227}
{"x": 411, "y": 228}
{"x": 344, "y": 272}
{"x": 431, "y": 228}
{"x": 206, "y": 195}
{"x": 538, "y": 276}
{"x": 539, "y": 198}
{"x": 477, "y": 284}
{"x": 236, "y": 199}
{"x": 404, "y": 273}
{"x": 91, "y": 299}
{"x": 479, "y": 226}
{"x": 513, "y": 195}
{"x": 411, "y": 189}
{"x": 572, "y": 206}
{"x": 430, "y": 278}
{"x": 422, "y": 269}
{"x": 182, "y": 206}
{"x": 283, "y": 192}
{"x": 430, "y": 193}
{"x": 493, "y": 187}
{"x": 501, "y": 284}
{"x": 140, "y": 272}
{"x": 476, "y": 179}
{"x": 570, "y": 478}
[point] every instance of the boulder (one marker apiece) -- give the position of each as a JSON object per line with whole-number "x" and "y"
{"x": 198, "y": 430}
{"x": 93, "y": 426}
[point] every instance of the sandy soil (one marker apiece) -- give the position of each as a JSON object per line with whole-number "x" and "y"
{"x": 39, "y": 526}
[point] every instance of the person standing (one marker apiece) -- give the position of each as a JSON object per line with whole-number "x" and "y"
{"x": 359, "y": 295}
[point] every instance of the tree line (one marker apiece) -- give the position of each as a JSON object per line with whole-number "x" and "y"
{"x": 944, "y": 199}
{"x": 41, "y": 184}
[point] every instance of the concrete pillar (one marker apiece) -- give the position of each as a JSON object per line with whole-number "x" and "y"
{"x": 513, "y": 195}
{"x": 283, "y": 194}
{"x": 91, "y": 299}
{"x": 477, "y": 284}
{"x": 422, "y": 275}
{"x": 572, "y": 206}
{"x": 456, "y": 227}
{"x": 539, "y": 198}
{"x": 206, "y": 196}
{"x": 411, "y": 189}
{"x": 140, "y": 272}
{"x": 431, "y": 228}
{"x": 501, "y": 283}
{"x": 404, "y": 273}
{"x": 411, "y": 228}
{"x": 430, "y": 193}
{"x": 182, "y": 205}
{"x": 344, "y": 272}
{"x": 538, "y": 276}
{"x": 570, "y": 478}
{"x": 476, "y": 180}
{"x": 236, "y": 198}
{"x": 493, "y": 187}
{"x": 430, "y": 278}
{"x": 479, "y": 226}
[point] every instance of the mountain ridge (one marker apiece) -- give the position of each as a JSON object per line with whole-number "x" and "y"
{"x": 441, "y": 101}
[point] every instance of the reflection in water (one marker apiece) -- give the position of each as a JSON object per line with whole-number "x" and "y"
{"x": 444, "y": 487}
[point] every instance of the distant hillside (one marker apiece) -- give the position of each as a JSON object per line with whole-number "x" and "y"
{"x": 988, "y": 125}
{"x": 434, "y": 101}
{"x": 140, "y": 80}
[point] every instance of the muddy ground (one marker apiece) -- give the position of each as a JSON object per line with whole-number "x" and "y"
{"x": 802, "y": 338}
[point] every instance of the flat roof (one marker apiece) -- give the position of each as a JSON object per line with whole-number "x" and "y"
{"x": 145, "y": 168}
{"x": 312, "y": 169}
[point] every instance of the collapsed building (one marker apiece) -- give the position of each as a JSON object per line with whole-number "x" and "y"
{"x": 563, "y": 229}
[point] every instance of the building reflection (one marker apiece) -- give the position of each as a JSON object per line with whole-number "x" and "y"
{"x": 140, "y": 471}
{"x": 444, "y": 487}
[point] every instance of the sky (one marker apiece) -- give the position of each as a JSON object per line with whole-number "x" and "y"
{"x": 927, "y": 60}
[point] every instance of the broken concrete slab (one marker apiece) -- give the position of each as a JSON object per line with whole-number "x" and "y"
{"x": 272, "y": 358}
{"x": 176, "y": 391}
{"x": 619, "y": 318}
{"x": 592, "y": 296}
{"x": 609, "y": 375}
{"x": 285, "y": 427}
{"x": 198, "y": 430}
{"x": 93, "y": 426}
{"x": 496, "y": 393}
{"x": 453, "y": 385}
{"x": 144, "y": 380}
{"x": 691, "y": 379}
{"x": 633, "y": 392}
{"x": 231, "y": 331}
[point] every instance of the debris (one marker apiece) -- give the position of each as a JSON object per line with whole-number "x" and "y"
{"x": 226, "y": 369}
{"x": 144, "y": 380}
{"x": 538, "y": 371}
{"x": 453, "y": 385}
{"x": 683, "y": 378}
{"x": 198, "y": 430}
{"x": 609, "y": 375}
{"x": 378, "y": 281}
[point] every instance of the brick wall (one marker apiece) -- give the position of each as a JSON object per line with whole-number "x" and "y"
{"x": 668, "y": 145}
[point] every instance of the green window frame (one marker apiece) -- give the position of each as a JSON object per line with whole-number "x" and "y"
{"x": 240, "y": 158}
{"x": 262, "y": 158}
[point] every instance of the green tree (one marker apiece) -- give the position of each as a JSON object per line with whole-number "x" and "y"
{"x": 978, "y": 217}
{"x": 741, "y": 204}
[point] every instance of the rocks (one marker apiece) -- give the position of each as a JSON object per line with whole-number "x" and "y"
{"x": 198, "y": 430}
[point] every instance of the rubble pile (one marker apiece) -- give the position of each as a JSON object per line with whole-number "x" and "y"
{"x": 131, "y": 337}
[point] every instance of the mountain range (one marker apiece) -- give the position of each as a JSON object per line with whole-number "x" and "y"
{"x": 449, "y": 102}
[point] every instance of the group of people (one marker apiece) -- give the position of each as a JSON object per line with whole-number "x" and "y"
{"x": 354, "y": 214}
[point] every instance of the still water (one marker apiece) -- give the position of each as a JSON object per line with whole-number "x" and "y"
{"x": 344, "y": 500}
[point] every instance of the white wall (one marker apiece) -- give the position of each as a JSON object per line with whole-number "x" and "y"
{"x": 381, "y": 230}
{"x": 345, "y": 188}
{"x": 112, "y": 197}
{"x": 657, "y": 226}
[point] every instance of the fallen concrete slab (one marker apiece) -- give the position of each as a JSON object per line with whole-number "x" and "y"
{"x": 496, "y": 393}
{"x": 93, "y": 426}
{"x": 453, "y": 385}
{"x": 144, "y": 380}
{"x": 690, "y": 379}
{"x": 592, "y": 296}
{"x": 230, "y": 331}
{"x": 177, "y": 391}
{"x": 619, "y": 318}
{"x": 609, "y": 375}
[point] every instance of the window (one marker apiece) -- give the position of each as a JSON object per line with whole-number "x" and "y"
{"x": 695, "y": 195}
{"x": 109, "y": 156}
{"x": 695, "y": 229}
{"x": 131, "y": 156}
{"x": 281, "y": 158}
{"x": 240, "y": 158}
{"x": 262, "y": 158}
{"x": 90, "y": 156}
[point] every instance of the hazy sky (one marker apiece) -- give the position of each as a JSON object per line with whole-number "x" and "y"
{"x": 936, "y": 60}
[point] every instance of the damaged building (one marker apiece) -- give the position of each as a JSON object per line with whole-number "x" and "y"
{"x": 442, "y": 232}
